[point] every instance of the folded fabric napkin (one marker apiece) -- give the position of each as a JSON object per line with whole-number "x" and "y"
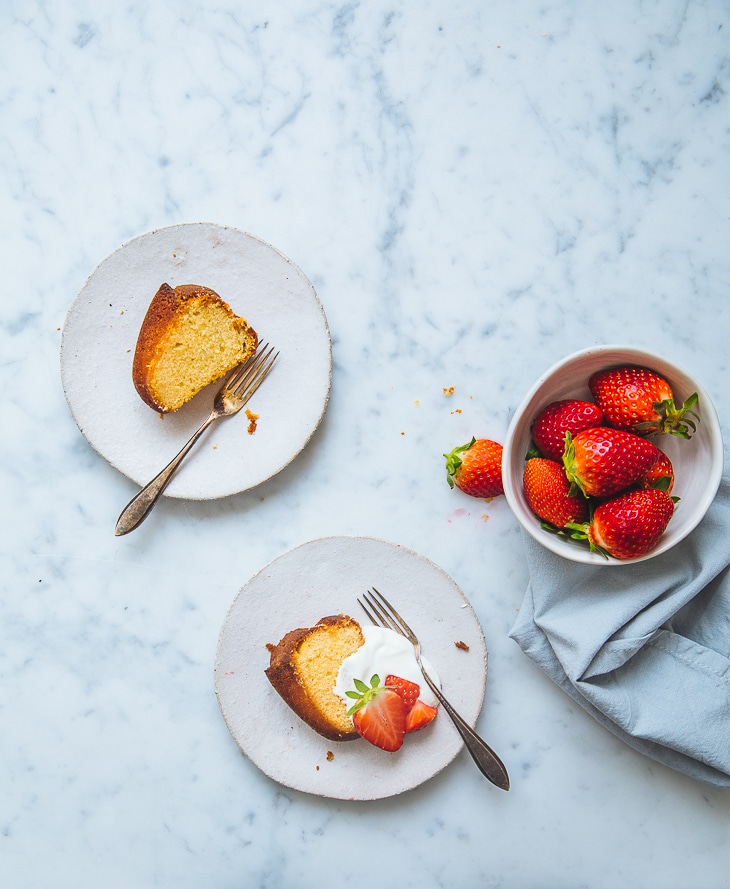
{"x": 644, "y": 648}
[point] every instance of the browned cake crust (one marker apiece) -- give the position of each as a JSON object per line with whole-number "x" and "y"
{"x": 296, "y": 688}
{"x": 160, "y": 327}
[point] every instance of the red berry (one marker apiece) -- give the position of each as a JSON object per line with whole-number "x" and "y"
{"x": 408, "y": 691}
{"x": 630, "y": 525}
{"x": 639, "y": 400}
{"x": 379, "y": 715}
{"x": 661, "y": 474}
{"x": 603, "y": 461}
{"x": 476, "y": 468}
{"x": 570, "y": 415}
{"x": 547, "y": 491}
{"x": 419, "y": 716}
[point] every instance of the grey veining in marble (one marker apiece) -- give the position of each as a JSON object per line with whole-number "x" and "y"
{"x": 476, "y": 189}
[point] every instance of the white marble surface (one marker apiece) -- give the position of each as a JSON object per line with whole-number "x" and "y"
{"x": 475, "y": 189}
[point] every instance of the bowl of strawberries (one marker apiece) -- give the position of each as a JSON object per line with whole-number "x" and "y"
{"x": 613, "y": 456}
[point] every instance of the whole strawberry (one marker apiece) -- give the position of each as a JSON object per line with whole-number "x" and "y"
{"x": 476, "y": 468}
{"x": 661, "y": 474}
{"x": 569, "y": 415}
{"x": 639, "y": 400}
{"x": 628, "y": 526}
{"x": 547, "y": 491}
{"x": 603, "y": 461}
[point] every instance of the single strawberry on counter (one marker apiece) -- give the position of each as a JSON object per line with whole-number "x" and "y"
{"x": 569, "y": 415}
{"x": 603, "y": 461}
{"x": 476, "y": 468}
{"x": 639, "y": 400}
{"x": 418, "y": 713}
{"x": 628, "y": 526}
{"x": 379, "y": 714}
{"x": 547, "y": 491}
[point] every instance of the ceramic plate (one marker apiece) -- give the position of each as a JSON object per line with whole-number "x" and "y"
{"x": 322, "y": 577}
{"x": 259, "y": 283}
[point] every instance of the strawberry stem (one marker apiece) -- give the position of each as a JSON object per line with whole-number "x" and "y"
{"x": 454, "y": 461}
{"x": 365, "y": 693}
{"x": 570, "y": 469}
{"x": 673, "y": 420}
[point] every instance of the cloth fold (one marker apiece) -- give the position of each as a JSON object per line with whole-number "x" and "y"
{"x": 643, "y": 648}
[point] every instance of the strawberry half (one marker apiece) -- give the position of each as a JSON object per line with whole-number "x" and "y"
{"x": 379, "y": 714}
{"x": 603, "y": 461}
{"x": 547, "y": 491}
{"x": 628, "y": 526}
{"x": 570, "y": 415}
{"x": 419, "y": 716}
{"x": 639, "y": 400}
{"x": 476, "y": 468}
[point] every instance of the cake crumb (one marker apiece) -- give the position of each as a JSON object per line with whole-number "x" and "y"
{"x": 330, "y": 756}
{"x": 462, "y": 646}
{"x": 252, "y": 418}
{"x": 448, "y": 391}
{"x": 457, "y": 411}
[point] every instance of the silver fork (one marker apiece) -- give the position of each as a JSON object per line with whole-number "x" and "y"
{"x": 382, "y": 613}
{"x": 230, "y": 398}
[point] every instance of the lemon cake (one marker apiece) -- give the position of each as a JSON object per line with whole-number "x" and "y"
{"x": 189, "y": 338}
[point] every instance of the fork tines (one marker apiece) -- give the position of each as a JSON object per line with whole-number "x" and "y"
{"x": 383, "y": 612}
{"x": 253, "y": 371}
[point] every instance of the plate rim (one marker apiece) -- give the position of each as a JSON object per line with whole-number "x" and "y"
{"x": 65, "y": 363}
{"x": 410, "y": 553}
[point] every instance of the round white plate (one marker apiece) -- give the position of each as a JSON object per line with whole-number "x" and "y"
{"x": 323, "y": 577}
{"x": 259, "y": 283}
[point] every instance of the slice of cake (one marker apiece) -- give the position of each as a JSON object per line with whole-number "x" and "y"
{"x": 189, "y": 338}
{"x": 303, "y": 669}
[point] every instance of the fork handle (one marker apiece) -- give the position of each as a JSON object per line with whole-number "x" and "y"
{"x": 140, "y": 506}
{"x": 487, "y": 761}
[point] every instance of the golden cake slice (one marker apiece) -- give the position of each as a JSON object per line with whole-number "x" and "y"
{"x": 303, "y": 669}
{"x": 189, "y": 338}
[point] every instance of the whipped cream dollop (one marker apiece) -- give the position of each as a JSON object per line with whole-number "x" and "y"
{"x": 384, "y": 652}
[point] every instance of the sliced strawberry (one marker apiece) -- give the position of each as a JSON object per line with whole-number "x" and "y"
{"x": 419, "y": 716}
{"x": 628, "y": 526}
{"x": 547, "y": 491}
{"x": 639, "y": 400}
{"x": 409, "y": 691}
{"x": 603, "y": 461}
{"x": 379, "y": 714}
{"x": 476, "y": 468}
{"x": 569, "y": 415}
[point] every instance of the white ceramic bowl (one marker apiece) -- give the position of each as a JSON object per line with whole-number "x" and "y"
{"x": 698, "y": 462}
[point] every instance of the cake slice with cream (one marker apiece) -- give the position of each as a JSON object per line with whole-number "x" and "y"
{"x": 341, "y": 679}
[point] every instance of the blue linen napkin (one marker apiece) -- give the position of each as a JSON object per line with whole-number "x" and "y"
{"x": 644, "y": 648}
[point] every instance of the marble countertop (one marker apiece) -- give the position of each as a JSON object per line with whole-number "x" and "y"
{"x": 475, "y": 190}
